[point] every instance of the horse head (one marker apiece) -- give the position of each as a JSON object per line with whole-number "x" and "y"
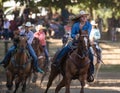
{"x": 83, "y": 42}
{"x": 37, "y": 45}
{"x": 21, "y": 43}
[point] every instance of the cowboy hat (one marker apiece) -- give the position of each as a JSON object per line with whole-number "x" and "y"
{"x": 28, "y": 24}
{"x": 41, "y": 27}
{"x": 82, "y": 12}
{"x": 93, "y": 23}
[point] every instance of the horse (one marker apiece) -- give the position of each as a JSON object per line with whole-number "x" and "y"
{"x": 97, "y": 55}
{"x": 19, "y": 67}
{"x": 75, "y": 65}
{"x": 97, "y": 61}
{"x": 41, "y": 59}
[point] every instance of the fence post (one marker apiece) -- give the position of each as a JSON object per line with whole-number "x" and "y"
{"x": 6, "y": 45}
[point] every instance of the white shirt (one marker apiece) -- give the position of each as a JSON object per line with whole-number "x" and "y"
{"x": 95, "y": 34}
{"x": 6, "y": 24}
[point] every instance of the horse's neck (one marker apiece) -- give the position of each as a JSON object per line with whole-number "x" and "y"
{"x": 21, "y": 57}
{"x": 80, "y": 50}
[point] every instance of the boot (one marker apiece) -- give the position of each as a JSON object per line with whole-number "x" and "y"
{"x": 2, "y": 62}
{"x": 90, "y": 78}
{"x": 39, "y": 70}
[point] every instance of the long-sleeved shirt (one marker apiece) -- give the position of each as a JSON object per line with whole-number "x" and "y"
{"x": 41, "y": 36}
{"x": 30, "y": 36}
{"x": 76, "y": 28}
{"x": 95, "y": 34}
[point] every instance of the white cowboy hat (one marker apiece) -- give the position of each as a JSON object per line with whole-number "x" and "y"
{"x": 20, "y": 27}
{"x": 93, "y": 23}
{"x": 41, "y": 27}
{"x": 28, "y": 24}
{"x": 82, "y": 12}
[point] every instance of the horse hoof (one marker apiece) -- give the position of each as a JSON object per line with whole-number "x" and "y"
{"x": 34, "y": 80}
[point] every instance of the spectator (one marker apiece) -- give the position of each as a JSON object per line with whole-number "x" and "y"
{"x": 6, "y": 27}
{"x": 99, "y": 21}
{"x": 1, "y": 29}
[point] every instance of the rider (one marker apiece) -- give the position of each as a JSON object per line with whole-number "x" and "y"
{"x": 84, "y": 25}
{"x": 95, "y": 35}
{"x": 30, "y": 36}
{"x": 40, "y": 34}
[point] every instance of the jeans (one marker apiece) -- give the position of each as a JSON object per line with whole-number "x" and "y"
{"x": 34, "y": 56}
{"x": 46, "y": 52}
{"x": 9, "y": 54}
{"x": 91, "y": 62}
{"x": 63, "y": 52}
{"x": 30, "y": 49}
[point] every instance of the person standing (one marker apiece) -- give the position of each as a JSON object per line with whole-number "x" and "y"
{"x": 6, "y": 27}
{"x": 99, "y": 21}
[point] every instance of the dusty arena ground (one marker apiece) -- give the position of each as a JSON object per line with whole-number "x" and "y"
{"x": 108, "y": 78}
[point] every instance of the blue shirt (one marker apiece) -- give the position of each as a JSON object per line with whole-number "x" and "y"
{"x": 29, "y": 35}
{"x": 76, "y": 28}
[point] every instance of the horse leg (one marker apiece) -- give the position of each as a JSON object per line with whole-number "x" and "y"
{"x": 42, "y": 78}
{"x": 82, "y": 86}
{"x": 67, "y": 81}
{"x": 10, "y": 79}
{"x": 82, "y": 82}
{"x": 60, "y": 85}
{"x": 97, "y": 66}
{"x": 67, "y": 84}
{"x": 17, "y": 82}
{"x": 24, "y": 85}
{"x": 53, "y": 75}
{"x": 35, "y": 76}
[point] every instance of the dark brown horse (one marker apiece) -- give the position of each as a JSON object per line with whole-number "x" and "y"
{"x": 19, "y": 68}
{"x": 74, "y": 66}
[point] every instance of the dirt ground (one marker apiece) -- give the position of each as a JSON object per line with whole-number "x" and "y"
{"x": 108, "y": 82}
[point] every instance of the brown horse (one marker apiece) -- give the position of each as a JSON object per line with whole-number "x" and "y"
{"x": 73, "y": 66}
{"x": 19, "y": 68}
{"x": 41, "y": 58}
